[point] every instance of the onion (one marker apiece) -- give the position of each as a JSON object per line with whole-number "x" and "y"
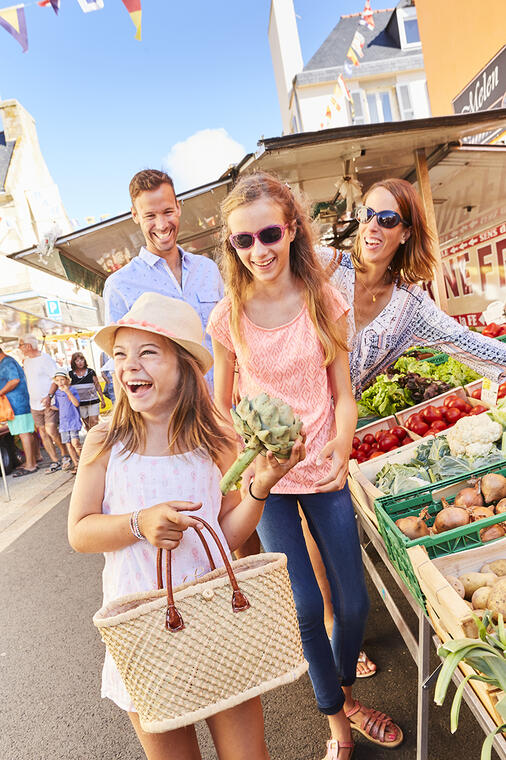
{"x": 450, "y": 517}
{"x": 492, "y": 532}
{"x": 479, "y": 513}
{"x": 500, "y": 507}
{"x": 469, "y": 497}
{"x": 413, "y": 526}
{"x": 493, "y": 487}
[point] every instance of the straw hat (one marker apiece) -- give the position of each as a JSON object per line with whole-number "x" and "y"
{"x": 170, "y": 317}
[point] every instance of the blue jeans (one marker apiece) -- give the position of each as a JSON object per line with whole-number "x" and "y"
{"x": 331, "y": 520}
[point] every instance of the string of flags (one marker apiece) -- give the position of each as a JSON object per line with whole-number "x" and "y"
{"x": 13, "y": 19}
{"x": 352, "y": 60}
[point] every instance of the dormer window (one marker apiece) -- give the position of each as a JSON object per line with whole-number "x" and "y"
{"x": 409, "y": 34}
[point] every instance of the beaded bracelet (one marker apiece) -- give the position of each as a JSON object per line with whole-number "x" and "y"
{"x": 134, "y": 525}
{"x": 253, "y": 495}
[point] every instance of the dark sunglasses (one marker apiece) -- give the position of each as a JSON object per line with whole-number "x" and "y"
{"x": 267, "y": 236}
{"x": 388, "y": 219}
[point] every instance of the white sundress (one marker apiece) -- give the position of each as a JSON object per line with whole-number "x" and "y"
{"x": 137, "y": 482}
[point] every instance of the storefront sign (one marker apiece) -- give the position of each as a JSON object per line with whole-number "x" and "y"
{"x": 485, "y": 92}
{"x": 474, "y": 271}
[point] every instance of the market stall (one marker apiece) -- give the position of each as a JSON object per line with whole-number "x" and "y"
{"x": 428, "y": 481}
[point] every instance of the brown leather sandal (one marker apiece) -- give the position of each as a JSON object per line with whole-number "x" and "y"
{"x": 334, "y": 746}
{"x": 376, "y": 726}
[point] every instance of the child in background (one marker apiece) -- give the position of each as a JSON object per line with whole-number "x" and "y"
{"x": 162, "y": 456}
{"x": 69, "y": 426}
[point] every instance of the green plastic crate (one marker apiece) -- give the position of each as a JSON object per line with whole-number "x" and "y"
{"x": 390, "y": 508}
{"x": 502, "y": 337}
{"x": 439, "y": 358}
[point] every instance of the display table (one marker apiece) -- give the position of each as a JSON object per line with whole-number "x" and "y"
{"x": 419, "y": 648}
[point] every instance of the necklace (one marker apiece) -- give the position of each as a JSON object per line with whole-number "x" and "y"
{"x": 371, "y": 293}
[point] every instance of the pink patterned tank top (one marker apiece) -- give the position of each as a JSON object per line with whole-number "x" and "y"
{"x": 287, "y": 362}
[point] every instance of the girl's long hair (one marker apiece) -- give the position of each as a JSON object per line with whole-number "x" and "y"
{"x": 194, "y": 422}
{"x": 414, "y": 260}
{"x": 304, "y": 263}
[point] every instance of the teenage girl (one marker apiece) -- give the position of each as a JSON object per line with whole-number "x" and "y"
{"x": 140, "y": 479}
{"x": 283, "y": 326}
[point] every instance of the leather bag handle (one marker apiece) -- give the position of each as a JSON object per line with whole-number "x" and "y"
{"x": 173, "y": 618}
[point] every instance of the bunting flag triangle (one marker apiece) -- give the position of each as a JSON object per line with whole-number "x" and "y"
{"x": 348, "y": 68}
{"x": 358, "y": 43}
{"x": 342, "y": 84}
{"x": 135, "y": 11}
{"x": 367, "y": 17}
{"x": 13, "y": 21}
{"x": 352, "y": 56}
{"x": 55, "y": 4}
{"x": 91, "y": 5}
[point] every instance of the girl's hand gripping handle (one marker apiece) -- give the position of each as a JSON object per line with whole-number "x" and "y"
{"x": 163, "y": 524}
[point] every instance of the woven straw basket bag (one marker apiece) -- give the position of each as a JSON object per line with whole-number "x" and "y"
{"x": 183, "y": 663}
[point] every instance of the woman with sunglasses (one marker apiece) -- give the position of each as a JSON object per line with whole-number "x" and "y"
{"x": 389, "y": 310}
{"x": 283, "y": 326}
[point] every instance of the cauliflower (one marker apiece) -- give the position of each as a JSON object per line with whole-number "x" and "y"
{"x": 473, "y": 436}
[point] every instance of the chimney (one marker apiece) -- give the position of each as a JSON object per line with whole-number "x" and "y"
{"x": 285, "y": 52}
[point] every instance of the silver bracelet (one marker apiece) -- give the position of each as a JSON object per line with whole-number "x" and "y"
{"x": 134, "y": 525}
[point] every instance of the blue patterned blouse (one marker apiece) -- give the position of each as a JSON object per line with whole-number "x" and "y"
{"x": 410, "y": 318}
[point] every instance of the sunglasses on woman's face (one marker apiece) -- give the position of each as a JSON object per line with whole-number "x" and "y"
{"x": 388, "y": 219}
{"x": 267, "y": 236}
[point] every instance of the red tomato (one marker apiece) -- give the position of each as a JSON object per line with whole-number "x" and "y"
{"x": 420, "y": 428}
{"x": 491, "y": 330}
{"x": 406, "y": 440}
{"x": 451, "y": 415}
{"x": 479, "y": 409}
{"x": 431, "y": 413}
{"x": 429, "y": 432}
{"x": 353, "y": 454}
{"x": 380, "y": 434}
{"x": 361, "y": 458}
{"x": 449, "y": 399}
{"x": 437, "y": 426}
{"x": 398, "y": 432}
{"x": 459, "y": 403}
{"x": 389, "y": 442}
{"x": 413, "y": 419}
{"x": 356, "y": 442}
{"x": 376, "y": 454}
{"x": 368, "y": 439}
{"x": 502, "y": 331}
{"x": 501, "y": 394}
{"x": 476, "y": 393}
{"x": 364, "y": 448}
{"x": 375, "y": 446}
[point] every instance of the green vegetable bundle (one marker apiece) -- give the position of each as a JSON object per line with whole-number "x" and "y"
{"x": 452, "y": 371}
{"x": 385, "y": 397}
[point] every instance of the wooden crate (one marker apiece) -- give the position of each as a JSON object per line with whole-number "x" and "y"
{"x": 487, "y": 694}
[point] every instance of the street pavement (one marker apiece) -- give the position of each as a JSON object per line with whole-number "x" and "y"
{"x": 51, "y": 657}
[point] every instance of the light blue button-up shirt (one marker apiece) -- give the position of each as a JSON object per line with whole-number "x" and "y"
{"x": 201, "y": 286}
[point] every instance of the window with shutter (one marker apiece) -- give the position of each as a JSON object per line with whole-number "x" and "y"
{"x": 358, "y": 110}
{"x": 404, "y": 100}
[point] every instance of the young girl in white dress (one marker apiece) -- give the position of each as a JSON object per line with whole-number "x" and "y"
{"x": 140, "y": 479}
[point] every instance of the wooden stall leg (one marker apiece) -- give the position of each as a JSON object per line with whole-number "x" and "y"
{"x": 422, "y": 718}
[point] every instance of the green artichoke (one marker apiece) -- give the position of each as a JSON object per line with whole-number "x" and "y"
{"x": 265, "y": 424}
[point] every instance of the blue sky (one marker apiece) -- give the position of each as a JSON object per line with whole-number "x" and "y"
{"x": 106, "y": 105}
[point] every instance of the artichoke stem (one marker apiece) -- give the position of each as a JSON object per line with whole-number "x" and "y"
{"x": 233, "y": 475}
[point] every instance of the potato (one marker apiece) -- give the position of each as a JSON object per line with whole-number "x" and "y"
{"x": 498, "y": 567}
{"x": 480, "y": 598}
{"x": 473, "y": 581}
{"x": 486, "y": 568}
{"x": 456, "y": 585}
{"x": 497, "y": 600}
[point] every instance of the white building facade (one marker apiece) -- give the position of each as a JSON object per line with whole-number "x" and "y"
{"x": 388, "y": 84}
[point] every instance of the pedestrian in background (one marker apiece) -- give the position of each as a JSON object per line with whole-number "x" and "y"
{"x": 85, "y": 379}
{"x": 107, "y": 377}
{"x": 66, "y": 401}
{"x": 39, "y": 370}
{"x": 13, "y": 387}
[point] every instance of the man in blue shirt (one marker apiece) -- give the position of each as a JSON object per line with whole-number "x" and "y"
{"x": 162, "y": 266}
{"x": 13, "y": 386}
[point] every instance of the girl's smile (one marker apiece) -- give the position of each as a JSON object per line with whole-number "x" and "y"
{"x": 379, "y": 244}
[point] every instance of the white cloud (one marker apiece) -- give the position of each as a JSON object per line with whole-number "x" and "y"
{"x": 202, "y": 158}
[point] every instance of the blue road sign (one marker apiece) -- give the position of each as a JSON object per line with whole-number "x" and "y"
{"x": 53, "y": 308}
